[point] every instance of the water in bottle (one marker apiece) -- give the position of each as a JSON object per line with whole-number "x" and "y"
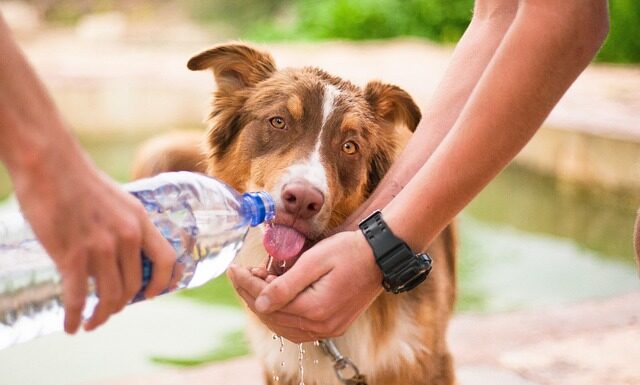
{"x": 204, "y": 220}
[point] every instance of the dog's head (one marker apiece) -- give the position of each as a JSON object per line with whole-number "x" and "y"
{"x": 317, "y": 143}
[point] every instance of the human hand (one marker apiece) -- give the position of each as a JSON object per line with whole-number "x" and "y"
{"x": 91, "y": 228}
{"x": 330, "y": 285}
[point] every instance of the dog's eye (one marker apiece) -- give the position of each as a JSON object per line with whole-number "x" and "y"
{"x": 277, "y": 122}
{"x": 350, "y": 147}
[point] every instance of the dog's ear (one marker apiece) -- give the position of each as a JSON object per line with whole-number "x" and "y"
{"x": 235, "y": 66}
{"x": 392, "y": 104}
{"x": 394, "y": 107}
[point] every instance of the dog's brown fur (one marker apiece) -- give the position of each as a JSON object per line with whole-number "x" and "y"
{"x": 400, "y": 339}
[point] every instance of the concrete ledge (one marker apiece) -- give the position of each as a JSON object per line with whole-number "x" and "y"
{"x": 607, "y": 163}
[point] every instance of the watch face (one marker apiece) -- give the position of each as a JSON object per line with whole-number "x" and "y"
{"x": 417, "y": 269}
{"x": 402, "y": 269}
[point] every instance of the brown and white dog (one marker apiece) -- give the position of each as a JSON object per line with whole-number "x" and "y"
{"x": 319, "y": 145}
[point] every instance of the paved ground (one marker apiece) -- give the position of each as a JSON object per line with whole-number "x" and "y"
{"x": 592, "y": 343}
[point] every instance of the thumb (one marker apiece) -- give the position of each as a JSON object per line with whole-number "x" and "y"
{"x": 285, "y": 288}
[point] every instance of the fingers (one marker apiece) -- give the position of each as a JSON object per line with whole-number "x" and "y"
{"x": 158, "y": 250}
{"x": 109, "y": 286}
{"x": 129, "y": 263}
{"x": 241, "y": 278}
{"x": 285, "y": 325}
{"x": 299, "y": 321}
{"x": 74, "y": 291}
{"x": 286, "y": 287}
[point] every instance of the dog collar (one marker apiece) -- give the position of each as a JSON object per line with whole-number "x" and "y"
{"x": 402, "y": 269}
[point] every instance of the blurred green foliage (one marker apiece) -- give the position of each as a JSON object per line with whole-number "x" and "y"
{"x": 623, "y": 42}
{"x": 233, "y": 345}
{"x": 438, "y": 20}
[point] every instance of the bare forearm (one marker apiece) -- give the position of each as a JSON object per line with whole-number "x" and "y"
{"x": 29, "y": 121}
{"x": 469, "y": 60}
{"x": 547, "y": 47}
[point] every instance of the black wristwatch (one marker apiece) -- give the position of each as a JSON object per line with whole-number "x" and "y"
{"x": 402, "y": 269}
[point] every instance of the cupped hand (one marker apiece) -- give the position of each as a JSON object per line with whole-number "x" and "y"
{"x": 91, "y": 228}
{"x": 330, "y": 285}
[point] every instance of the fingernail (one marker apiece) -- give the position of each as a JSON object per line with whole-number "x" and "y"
{"x": 262, "y": 304}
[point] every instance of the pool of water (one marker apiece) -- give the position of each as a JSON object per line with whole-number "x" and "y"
{"x": 526, "y": 241}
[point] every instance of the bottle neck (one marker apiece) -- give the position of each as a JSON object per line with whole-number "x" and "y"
{"x": 259, "y": 207}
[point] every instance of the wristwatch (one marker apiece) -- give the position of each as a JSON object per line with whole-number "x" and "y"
{"x": 402, "y": 269}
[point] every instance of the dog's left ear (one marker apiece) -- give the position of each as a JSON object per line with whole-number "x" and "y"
{"x": 235, "y": 66}
{"x": 392, "y": 104}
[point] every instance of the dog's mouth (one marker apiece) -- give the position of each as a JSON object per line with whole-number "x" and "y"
{"x": 284, "y": 244}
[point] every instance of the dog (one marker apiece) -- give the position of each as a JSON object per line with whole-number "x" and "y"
{"x": 320, "y": 145}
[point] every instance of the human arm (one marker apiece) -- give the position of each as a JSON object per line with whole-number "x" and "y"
{"x": 545, "y": 48}
{"x": 89, "y": 226}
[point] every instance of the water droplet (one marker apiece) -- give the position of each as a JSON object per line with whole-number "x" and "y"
{"x": 315, "y": 362}
{"x": 316, "y": 343}
{"x": 282, "y": 363}
{"x": 281, "y": 344}
{"x": 276, "y": 378}
{"x": 284, "y": 264}
{"x": 274, "y": 337}
{"x": 300, "y": 363}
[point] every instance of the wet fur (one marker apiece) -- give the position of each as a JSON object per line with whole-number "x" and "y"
{"x": 400, "y": 339}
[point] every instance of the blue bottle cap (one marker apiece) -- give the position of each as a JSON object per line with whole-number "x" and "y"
{"x": 260, "y": 206}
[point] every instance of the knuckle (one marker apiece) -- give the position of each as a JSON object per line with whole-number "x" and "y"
{"x": 164, "y": 266}
{"x": 130, "y": 232}
{"x": 137, "y": 209}
{"x": 165, "y": 260}
{"x": 104, "y": 246}
{"x": 279, "y": 290}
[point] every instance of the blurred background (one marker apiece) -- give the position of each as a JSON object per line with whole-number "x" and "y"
{"x": 553, "y": 230}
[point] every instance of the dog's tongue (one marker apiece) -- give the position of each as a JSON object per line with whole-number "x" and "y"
{"x": 284, "y": 244}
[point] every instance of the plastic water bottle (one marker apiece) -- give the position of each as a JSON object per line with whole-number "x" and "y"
{"x": 204, "y": 220}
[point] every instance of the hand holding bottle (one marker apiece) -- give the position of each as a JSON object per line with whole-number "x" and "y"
{"x": 92, "y": 229}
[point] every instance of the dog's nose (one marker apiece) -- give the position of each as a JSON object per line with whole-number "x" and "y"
{"x": 301, "y": 199}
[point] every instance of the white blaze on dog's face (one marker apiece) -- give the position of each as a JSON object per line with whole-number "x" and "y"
{"x": 317, "y": 143}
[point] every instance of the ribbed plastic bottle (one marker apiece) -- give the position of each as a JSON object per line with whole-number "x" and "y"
{"x": 204, "y": 220}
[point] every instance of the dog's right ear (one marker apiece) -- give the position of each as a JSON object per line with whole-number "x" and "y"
{"x": 235, "y": 66}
